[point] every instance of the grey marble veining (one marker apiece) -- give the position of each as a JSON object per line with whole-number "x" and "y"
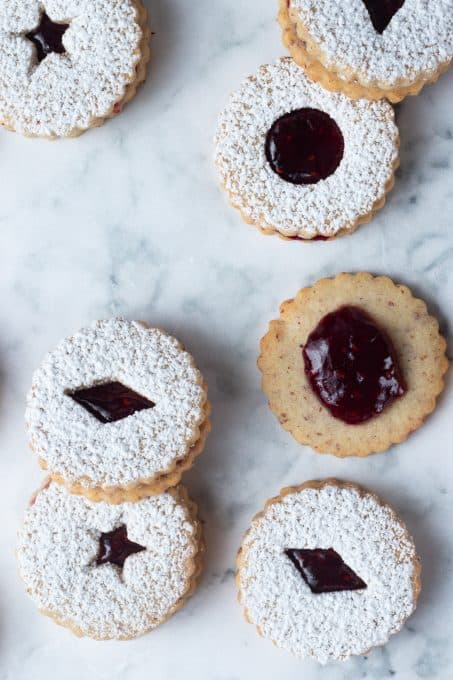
{"x": 129, "y": 220}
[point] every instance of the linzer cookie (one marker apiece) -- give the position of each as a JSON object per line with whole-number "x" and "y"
{"x": 110, "y": 571}
{"x": 301, "y": 162}
{"x": 117, "y": 411}
{"x": 353, "y": 365}
{"x": 65, "y": 67}
{"x": 370, "y": 48}
{"x": 327, "y": 570}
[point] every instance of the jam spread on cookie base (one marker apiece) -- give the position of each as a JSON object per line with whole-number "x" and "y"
{"x": 110, "y": 402}
{"x": 304, "y": 146}
{"x": 351, "y": 365}
{"x": 382, "y": 12}
{"x": 324, "y": 570}
{"x": 48, "y": 37}
{"x": 115, "y": 547}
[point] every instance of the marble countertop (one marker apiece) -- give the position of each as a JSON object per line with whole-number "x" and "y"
{"x": 129, "y": 220}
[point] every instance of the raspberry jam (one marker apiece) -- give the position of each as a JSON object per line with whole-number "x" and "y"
{"x": 382, "y": 12}
{"x": 111, "y": 401}
{"x": 48, "y": 37}
{"x": 115, "y": 547}
{"x": 351, "y": 365}
{"x": 304, "y": 146}
{"x": 324, "y": 570}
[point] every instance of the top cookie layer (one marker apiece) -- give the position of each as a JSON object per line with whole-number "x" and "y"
{"x": 418, "y": 40}
{"x": 76, "y": 446}
{"x": 66, "y": 93}
{"x": 333, "y": 205}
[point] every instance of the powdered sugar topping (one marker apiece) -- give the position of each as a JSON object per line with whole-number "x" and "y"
{"x": 328, "y": 626}
{"x": 66, "y": 92}
{"x": 331, "y": 205}
{"x": 418, "y": 39}
{"x": 57, "y": 551}
{"x": 75, "y": 445}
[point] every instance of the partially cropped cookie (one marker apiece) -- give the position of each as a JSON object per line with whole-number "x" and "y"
{"x": 117, "y": 411}
{"x": 67, "y": 66}
{"x": 327, "y": 570}
{"x": 370, "y": 48}
{"x": 109, "y": 571}
{"x": 301, "y": 162}
{"x": 353, "y": 365}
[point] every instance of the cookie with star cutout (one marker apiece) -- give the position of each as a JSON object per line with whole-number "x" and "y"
{"x": 68, "y": 67}
{"x": 369, "y": 48}
{"x": 118, "y": 411}
{"x": 327, "y": 570}
{"x": 353, "y": 365}
{"x": 301, "y": 162}
{"x": 109, "y": 571}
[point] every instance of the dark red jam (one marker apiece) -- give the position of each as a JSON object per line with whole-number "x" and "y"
{"x": 382, "y": 12}
{"x": 351, "y": 365}
{"x": 48, "y": 37}
{"x": 324, "y": 571}
{"x": 115, "y": 547}
{"x": 111, "y": 401}
{"x": 304, "y": 146}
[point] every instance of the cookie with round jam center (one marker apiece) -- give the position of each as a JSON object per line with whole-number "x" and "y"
{"x": 304, "y": 146}
{"x": 351, "y": 365}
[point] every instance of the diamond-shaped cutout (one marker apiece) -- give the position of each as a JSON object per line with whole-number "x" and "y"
{"x": 111, "y": 401}
{"x": 115, "y": 547}
{"x": 48, "y": 37}
{"x": 324, "y": 570}
{"x": 382, "y": 12}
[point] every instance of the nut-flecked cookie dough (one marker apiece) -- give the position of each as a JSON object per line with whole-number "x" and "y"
{"x": 68, "y": 67}
{"x": 109, "y": 571}
{"x": 368, "y": 48}
{"x": 312, "y": 380}
{"x": 301, "y": 162}
{"x": 117, "y": 411}
{"x": 327, "y": 570}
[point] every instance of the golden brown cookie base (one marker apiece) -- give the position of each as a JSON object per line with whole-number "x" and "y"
{"x": 194, "y": 568}
{"x": 241, "y": 561}
{"x": 418, "y": 344}
{"x": 143, "y": 56}
{"x": 307, "y": 54}
{"x": 145, "y": 487}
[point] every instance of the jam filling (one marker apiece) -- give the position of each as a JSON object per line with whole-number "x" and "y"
{"x": 351, "y": 365}
{"x": 111, "y": 401}
{"x": 115, "y": 547}
{"x": 324, "y": 571}
{"x": 48, "y": 37}
{"x": 304, "y": 146}
{"x": 382, "y": 12}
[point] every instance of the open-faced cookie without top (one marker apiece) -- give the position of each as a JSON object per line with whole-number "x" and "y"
{"x": 353, "y": 365}
{"x": 370, "y": 48}
{"x": 110, "y": 571}
{"x": 67, "y": 66}
{"x": 327, "y": 570}
{"x": 117, "y": 411}
{"x": 301, "y": 162}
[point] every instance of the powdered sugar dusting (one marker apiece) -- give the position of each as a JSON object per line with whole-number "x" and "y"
{"x": 331, "y": 205}
{"x": 81, "y": 449}
{"x": 66, "y": 92}
{"x": 329, "y": 626}
{"x": 58, "y": 546}
{"x": 418, "y": 39}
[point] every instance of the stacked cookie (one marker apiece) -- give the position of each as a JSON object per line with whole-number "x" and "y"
{"x": 111, "y": 544}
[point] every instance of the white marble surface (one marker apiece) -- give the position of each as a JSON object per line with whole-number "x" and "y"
{"x": 129, "y": 220}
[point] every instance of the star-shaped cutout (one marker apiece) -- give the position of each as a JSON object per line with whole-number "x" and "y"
{"x": 382, "y": 12}
{"x": 324, "y": 570}
{"x": 47, "y": 37}
{"x": 115, "y": 547}
{"x": 111, "y": 401}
